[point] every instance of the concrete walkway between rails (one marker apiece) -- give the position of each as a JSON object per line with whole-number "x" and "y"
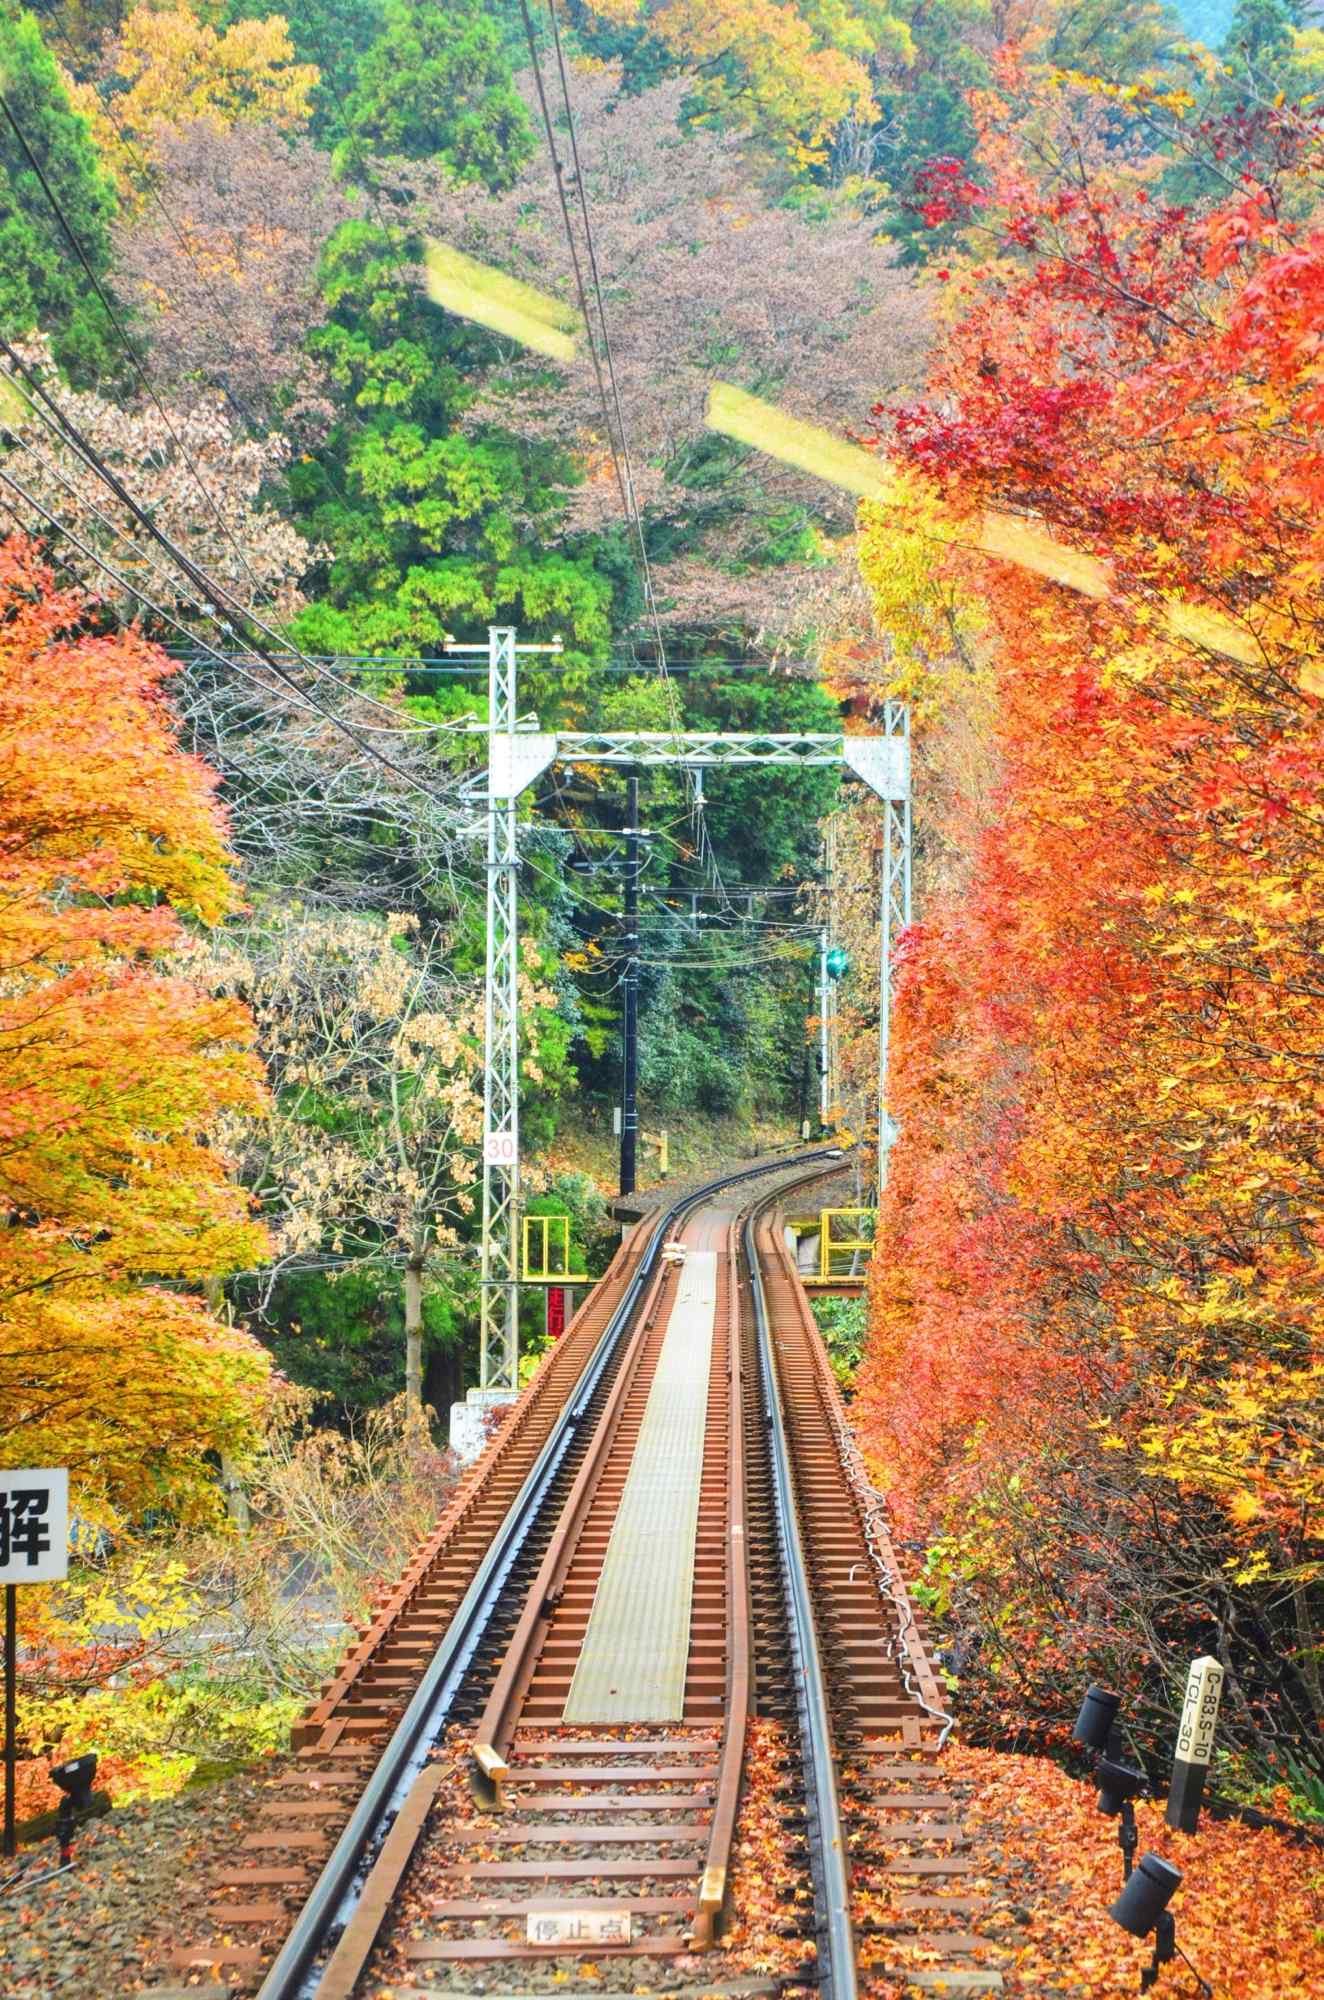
{"x": 632, "y": 1664}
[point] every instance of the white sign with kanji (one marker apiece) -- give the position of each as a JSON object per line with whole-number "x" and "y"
{"x": 578, "y": 1926}
{"x": 34, "y": 1525}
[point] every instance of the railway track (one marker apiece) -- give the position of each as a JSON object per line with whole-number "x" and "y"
{"x": 534, "y": 1756}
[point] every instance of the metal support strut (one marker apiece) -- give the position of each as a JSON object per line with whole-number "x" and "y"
{"x": 499, "y": 1366}
{"x": 895, "y": 914}
{"x": 499, "y": 1285}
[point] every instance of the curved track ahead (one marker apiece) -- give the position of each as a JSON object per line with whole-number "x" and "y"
{"x": 526, "y": 1617}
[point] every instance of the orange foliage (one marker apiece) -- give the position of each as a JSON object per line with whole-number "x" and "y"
{"x": 1249, "y": 1911}
{"x": 115, "y": 1069}
{"x": 1097, "y": 1360}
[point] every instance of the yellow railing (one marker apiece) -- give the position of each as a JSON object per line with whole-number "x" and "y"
{"x": 555, "y": 1233}
{"x": 834, "y": 1246}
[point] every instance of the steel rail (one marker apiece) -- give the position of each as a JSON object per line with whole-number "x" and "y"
{"x": 739, "y": 1627}
{"x": 916, "y": 1668}
{"x": 294, "y": 1973}
{"x": 827, "y": 1834}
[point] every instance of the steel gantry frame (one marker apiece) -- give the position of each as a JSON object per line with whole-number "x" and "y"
{"x": 518, "y": 753}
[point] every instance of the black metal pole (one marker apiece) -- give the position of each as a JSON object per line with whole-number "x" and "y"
{"x": 11, "y": 1713}
{"x": 807, "y": 1064}
{"x": 630, "y": 1019}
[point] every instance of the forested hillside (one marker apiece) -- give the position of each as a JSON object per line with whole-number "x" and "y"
{"x": 1055, "y": 260}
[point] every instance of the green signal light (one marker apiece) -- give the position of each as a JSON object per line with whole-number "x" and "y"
{"x": 838, "y": 963}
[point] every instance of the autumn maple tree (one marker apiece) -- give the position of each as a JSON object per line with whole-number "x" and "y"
{"x": 1096, "y": 1373}
{"x": 172, "y": 69}
{"x": 792, "y": 72}
{"x": 119, "y": 1205}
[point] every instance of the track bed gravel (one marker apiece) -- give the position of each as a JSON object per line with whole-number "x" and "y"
{"x": 139, "y": 1885}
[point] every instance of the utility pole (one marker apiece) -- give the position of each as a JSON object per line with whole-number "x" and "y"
{"x": 824, "y": 1000}
{"x": 807, "y": 1057}
{"x": 630, "y": 1019}
{"x": 833, "y": 1028}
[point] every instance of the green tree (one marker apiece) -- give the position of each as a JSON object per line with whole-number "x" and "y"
{"x": 342, "y": 1334}
{"x": 1116, "y": 39}
{"x": 764, "y": 822}
{"x": 334, "y": 34}
{"x": 924, "y": 100}
{"x": 42, "y": 286}
{"x": 1261, "y": 38}
{"x": 435, "y": 85}
{"x": 431, "y": 527}
{"x": 923, "y": 112}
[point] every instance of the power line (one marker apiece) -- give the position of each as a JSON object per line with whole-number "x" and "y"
{"x": 123, "y": 338}
{"x": 700, "y": 825}
{"x": 292, "y": 693}
{"x": 150, "y": 180}
{"x": 157, "y": 610}
{"x": 225, "y": 606}
{"x": 172, "y": 586}
{"x": 432, "y": 664}
{"x": 198, "y": 577}
{"x": 558, "y": 178}
{"x": 621, "y": 462}
{"x": 81, "y": 254}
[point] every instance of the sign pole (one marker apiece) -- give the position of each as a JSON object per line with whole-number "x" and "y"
{"x": 11, "y": 1714}
{"x": 1195, "y": 1743}
{"x": 34, "y": 1548}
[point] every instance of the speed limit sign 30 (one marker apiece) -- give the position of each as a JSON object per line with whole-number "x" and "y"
{"x": 500, "y": 1149}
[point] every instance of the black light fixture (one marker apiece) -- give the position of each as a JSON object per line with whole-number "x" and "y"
{"x": 1117, "y": 1783}
{"x": 1145, "y": 1895}
{"x": 1120, "y": 1785}
{"x": 1098, "y": 1713}
{"x": 1147, "y": 1886}
{"x": 75, "y": 1779}
{"x": 1142, "y": 1908}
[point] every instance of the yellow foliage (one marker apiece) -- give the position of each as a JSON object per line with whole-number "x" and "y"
{"x": 790, "y": 72}
{"x": 179, "y": 70}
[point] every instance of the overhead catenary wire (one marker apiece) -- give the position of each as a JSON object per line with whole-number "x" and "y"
{"x": 172, "y": 588}
{"x": 150, "y": 180}
{"x": 445, "y": 669}
{"x": 223, "y": 606}
{"x": 133, "y": 590}
{"x": 613, "y": 412}
{"x": 297, "y": 695}
{"x": 218, "y": 597}
{"x": 80, "y": 253}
